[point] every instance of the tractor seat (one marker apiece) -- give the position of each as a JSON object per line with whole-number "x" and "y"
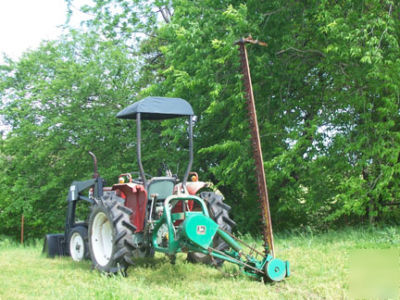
{"x": 162, "y": 186}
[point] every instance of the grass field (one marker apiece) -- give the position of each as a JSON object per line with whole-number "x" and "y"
{"x": 320, "y": 265}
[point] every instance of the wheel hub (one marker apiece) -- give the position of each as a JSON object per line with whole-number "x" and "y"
{"x": 76, "y": 247}
{"x": 102, "y": 239}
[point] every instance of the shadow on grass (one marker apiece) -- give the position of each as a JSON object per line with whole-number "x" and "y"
{"x": 154, "y": 263}
{"x": 158, "y": 270}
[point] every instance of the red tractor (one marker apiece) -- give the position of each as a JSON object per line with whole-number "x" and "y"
{"x": 136, "y": 217}
{"x": 112, "y": 246}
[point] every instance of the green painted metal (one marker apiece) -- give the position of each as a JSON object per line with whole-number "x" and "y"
{"x": 177, "y": 216}
{"x": 276, "y": 269}
{"x": 173, "y": 240}
{"x": 196, "y": 234}
{"x": 199, "y": 229}
{"x": 221, "y": 256}
{"x": 230, "y": 241}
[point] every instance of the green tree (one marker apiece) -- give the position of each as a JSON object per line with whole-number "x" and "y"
{"x": 326, "y": 89}
{"x": 61, "y": 101}
{"x": 326, "y": 93}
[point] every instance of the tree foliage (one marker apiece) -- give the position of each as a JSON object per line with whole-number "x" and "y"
{"x": 61, "y": 102}
{"x": 326, "y": 89}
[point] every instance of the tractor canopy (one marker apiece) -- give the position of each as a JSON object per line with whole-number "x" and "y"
{"x": 157, "y": 108}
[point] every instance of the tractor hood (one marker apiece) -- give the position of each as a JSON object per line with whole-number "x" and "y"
{"x": 157, "y": 108}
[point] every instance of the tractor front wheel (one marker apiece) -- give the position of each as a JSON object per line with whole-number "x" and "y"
{"x": 219, "y": 212}
{"x": 110, "y": 235}
{"x": 78, "y": 243}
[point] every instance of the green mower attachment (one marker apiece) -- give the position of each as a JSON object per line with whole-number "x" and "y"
{"x": 196, "y": 232}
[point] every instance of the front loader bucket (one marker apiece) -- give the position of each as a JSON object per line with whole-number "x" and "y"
{"x": 54, "y": 245}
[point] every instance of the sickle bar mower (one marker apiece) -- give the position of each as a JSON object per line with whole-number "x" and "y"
{"x": 197, "y": 232}
{"x": 138, "y": 217}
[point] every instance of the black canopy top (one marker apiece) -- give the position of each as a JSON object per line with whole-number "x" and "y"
{"x": 157, "y": 108}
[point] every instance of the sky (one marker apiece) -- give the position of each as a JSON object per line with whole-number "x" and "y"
{"x": 25, "y": 23}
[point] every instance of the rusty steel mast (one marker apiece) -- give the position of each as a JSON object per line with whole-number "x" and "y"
{"x": 256, "y": 143}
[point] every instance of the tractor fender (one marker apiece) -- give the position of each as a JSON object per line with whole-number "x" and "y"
{"x": 194, "y": 186}
{"x": 192, "y": 189}
{"x": 135, "y": 198}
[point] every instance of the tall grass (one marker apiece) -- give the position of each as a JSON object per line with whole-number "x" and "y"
{"x": 320, "y": 266}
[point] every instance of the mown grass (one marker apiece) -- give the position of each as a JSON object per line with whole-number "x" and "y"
{"x": 319, "y": 264}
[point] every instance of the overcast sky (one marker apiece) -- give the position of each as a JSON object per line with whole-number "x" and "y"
{"x": 25, "y": 23}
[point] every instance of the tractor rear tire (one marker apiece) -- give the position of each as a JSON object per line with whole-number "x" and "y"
{"x": 110, "y": 235}
{"x": 78, "y": 243}
{"x": 143, "y": 253}
{"x": 219, "y": 212}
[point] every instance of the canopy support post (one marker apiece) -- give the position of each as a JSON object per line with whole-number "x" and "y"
{"x": 139, "y": 151}
{"x": 190, "y": 152}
